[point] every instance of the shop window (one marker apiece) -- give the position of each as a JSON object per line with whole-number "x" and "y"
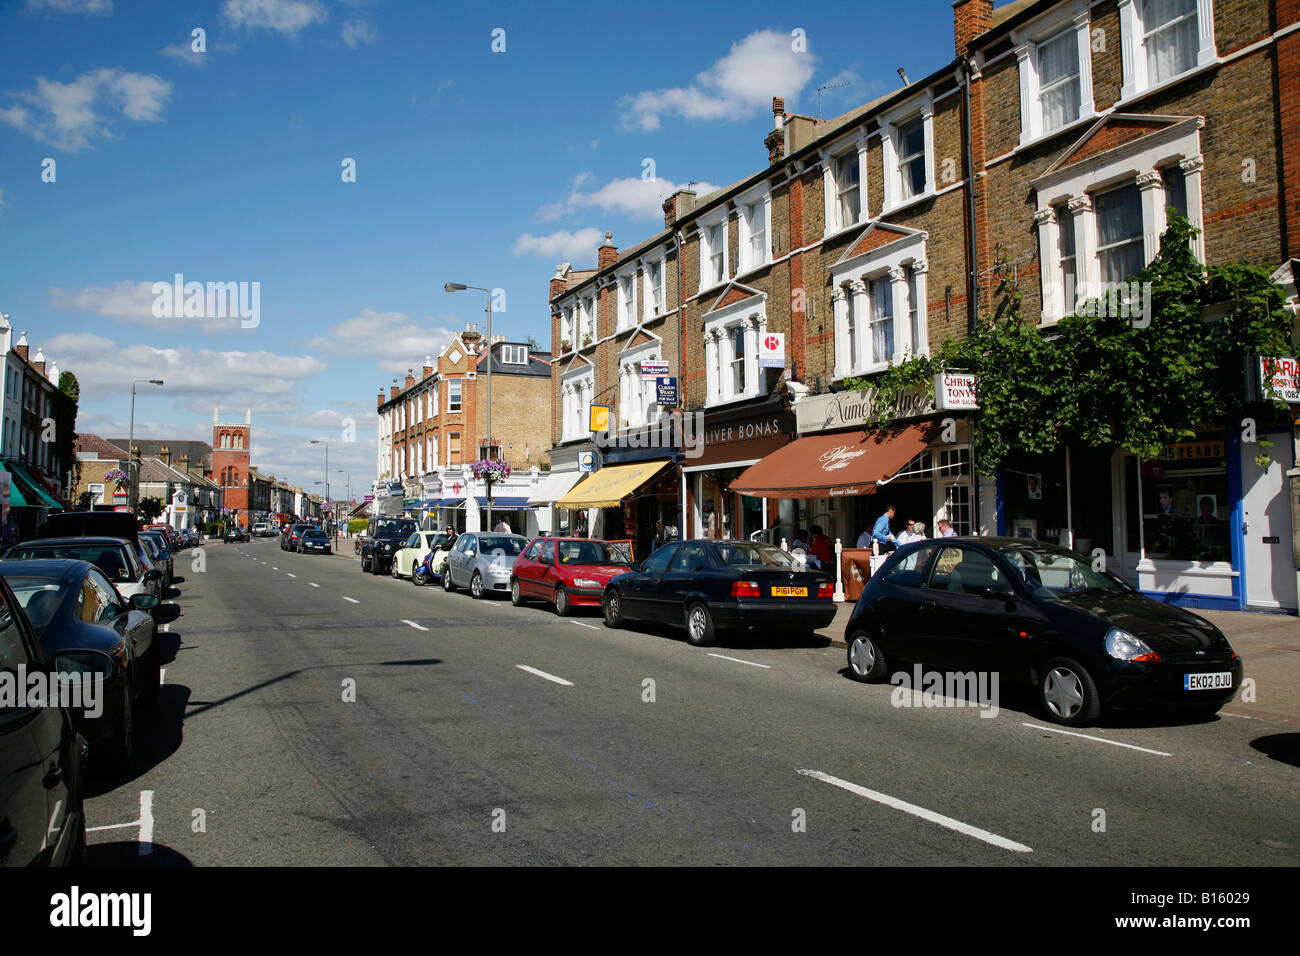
{"x": 1185, "y": 503}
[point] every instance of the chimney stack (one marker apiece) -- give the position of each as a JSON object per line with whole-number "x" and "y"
{"x": 678, "y": 205}
{"x": 410, "y": 377}
{"x": 607, "y": 254}
{"x": 21, "y": 346}
{"x": 393, "y": 390}
{"x": 971, "y": 18}
{"x": 560, "y": 281}
{"x": 379, "y": 399}
{"x": 428, "y": 366}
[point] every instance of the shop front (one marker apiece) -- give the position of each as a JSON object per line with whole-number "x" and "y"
{"x": 631, "y": 501}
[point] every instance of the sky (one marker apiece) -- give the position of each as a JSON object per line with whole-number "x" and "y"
{"x": 346, "y": 158}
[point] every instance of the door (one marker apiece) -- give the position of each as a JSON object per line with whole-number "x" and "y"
{"x": 639, "y": 594}
{"x": 1268, "y": 571}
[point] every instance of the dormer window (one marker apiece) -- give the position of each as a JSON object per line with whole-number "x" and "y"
{"x": 514, "y": 354}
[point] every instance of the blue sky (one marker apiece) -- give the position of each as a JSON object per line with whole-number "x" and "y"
{"x": 472, "y": 165}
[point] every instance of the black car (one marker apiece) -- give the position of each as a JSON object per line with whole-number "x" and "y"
{"x": 314, "y": 540}
{"x": 711, "y": 587}
{"x": 384, "y": 536}
{"x": 1038, "y": 615}
{"x": 74, "y": 608}
{"x": 289, "y": 537}
{"x": 42, "y": 757}
{"x": 234, "y": 533}
{"x": 164, "y": 556}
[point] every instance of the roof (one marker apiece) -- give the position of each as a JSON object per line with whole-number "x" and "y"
{"x": 102, "y": 447}
{"x": 156, "y": 470}
{"x": 539, "y": 362}
{"x": 195, "y": 451}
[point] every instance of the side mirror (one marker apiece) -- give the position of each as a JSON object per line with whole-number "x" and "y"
{"x": 144, "y": 602}
{"x": 636, "y": 566}
{"x": 470, "y": 553}
{"x": 996, "y": 593}
{"x": 83, "y": 662}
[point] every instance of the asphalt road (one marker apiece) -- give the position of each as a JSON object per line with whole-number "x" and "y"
{"x": 453, "y": 753}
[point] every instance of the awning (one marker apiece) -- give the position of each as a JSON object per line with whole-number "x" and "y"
{"x": 607, "y": 487}
{"x": 33, "y": 491}
{"x": 505, "y": 504}
{"x": 834, "y": 465}
{"x": 552, "y": 488}
{"x": 452, "y": 502}
{"x": 16, "y": 499}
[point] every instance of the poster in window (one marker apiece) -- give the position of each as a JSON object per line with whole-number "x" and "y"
{"x": 1035, "y": 489}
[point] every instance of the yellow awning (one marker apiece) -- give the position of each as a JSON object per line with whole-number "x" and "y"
{"x": 607, "y": 487}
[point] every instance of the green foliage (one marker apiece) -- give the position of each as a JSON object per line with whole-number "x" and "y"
{"x": 150, "y": 508}
{"x": 357, "y": 525}
{"x": 1101, "y": 379}
{"x": 69, "y": 386}
{"x": 84, "y": 500}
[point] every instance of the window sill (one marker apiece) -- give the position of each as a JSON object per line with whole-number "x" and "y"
{"x": 838, "y": 231}
{"x": 908, "y": 203}
{"x": 750, "y": 270}
{"x": 1134, "y": 95}
{"x": 1042, "y": 138}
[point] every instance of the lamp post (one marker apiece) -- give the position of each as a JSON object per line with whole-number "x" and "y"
{"x": 461, "y": 287}
{"x": 133, "y": 472}
{"x": 349, "y": 474}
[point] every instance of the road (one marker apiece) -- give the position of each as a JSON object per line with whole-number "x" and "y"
{"x": 480, "y": 733}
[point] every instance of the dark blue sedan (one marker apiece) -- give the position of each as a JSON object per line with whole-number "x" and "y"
{"x": 712, "y": 587}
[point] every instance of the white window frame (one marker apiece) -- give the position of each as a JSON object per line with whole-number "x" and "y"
{"x": 851, "y": 306}
{"x": 625, "y": 292}
{"x": 586, "y": 320}
{"x": 890, "y": 139}
{"x": 457, "y": 405}
{"x": 719, "y": 352}
{"x": 1142, "y": 162}
{"x": 1133, "y": 54}
{"x": 96, "y": 489}
{"x": 568, "y": 326}
{"x": 1028, "y": 39}
{"x": 763, "y": 201}
{"x": 651, "y": 311}
{"x": 830, "y": 188}
{"x": 634, "y": 391}
{"x": 708, "y": 251}
{"x": 577, "y": 390}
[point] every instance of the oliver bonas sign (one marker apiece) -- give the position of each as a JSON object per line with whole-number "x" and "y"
{"x": 822, "y": 413}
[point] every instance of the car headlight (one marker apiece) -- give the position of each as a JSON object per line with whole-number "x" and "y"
{"x": 586, "y": 583}
{"x": 500, "y": 570}
{"x": 1123, "y": 646}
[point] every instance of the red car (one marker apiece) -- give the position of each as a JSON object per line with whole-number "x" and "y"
{"x": 566, "y": 572}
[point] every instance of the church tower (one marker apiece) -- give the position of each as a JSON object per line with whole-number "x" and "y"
{"x": 230, "y": 462}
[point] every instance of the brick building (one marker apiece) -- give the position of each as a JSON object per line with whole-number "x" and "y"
{"x": 431, "y": 426}
{"x": 230, "y": 465}
{"x": 862, "y": 241}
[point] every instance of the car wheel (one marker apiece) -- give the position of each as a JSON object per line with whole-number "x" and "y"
{"x": 613, "y": 605}
{"x": 393, "y": 571}
{"x": 562, "y": 601}
{"x": 122, "y": 743}
{"x": 866, "y": 660}
{"x": 476, "y": 585}
{"x": 699, "y": 625}
{"x": 446, "y": 580}
{"x": 516, "y": 594}
{"x": 152, "y": 673}
{"x": 417, "y": 576}
{"x": 375, "y": 567}
{"x": 1068, "y": 694}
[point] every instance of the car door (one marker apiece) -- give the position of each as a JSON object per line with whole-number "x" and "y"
{"x": 35, "y": 795}
{"x": 640, "y": 592}
{"x": 685, "y": 574}
{"x": 459, "y": 561}
{"x": 967, "y": 624}
{"x": 546, "y": 574}
{"x": 136, "y": 626}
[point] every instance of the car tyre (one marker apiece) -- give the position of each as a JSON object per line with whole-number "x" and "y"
{"x": 562, "y": 607}
{"x": 613, "y": 607}
{"x": 866, "y": 660}
{"x": 1067, "y": 693}
{"x": 699, "y": 625}
{"x": 476, "y": 586}
{"x": 447, "y": 584}
{"x": 517, "y": 594}
{"x": 365, "y": 564}
{"x": 393, "y": 569}
{"x": 122, "y": 744}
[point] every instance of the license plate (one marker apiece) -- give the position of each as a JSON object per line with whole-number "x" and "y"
{"x": 1220, "y": 681}
{"x": 789, "y": 592}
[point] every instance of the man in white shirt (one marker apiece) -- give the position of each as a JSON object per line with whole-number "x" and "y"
{"x": 915, "y": 532}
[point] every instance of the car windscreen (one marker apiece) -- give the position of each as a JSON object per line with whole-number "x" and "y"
{"x": 403, "y": 526}
{"x": 589, "y": 552}
{"x": 314, "y": 534}
{"x": 1050, "y": 572}
{"x": 108, "y": 558}
{"x": 161, "y": 543}
{"x": 742, "y": 555}
{"x": 500, "y": 544}
{"x": 40, "y": 597}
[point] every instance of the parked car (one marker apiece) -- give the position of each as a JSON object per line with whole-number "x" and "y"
{"x": 128, "y": 568}
{"x": 163, "y": 554}
{"x": 566, "y": 572}
{"x": 289, "y": 537}
{"x": 263, "y": 530}
{"x": 314, "y": 540}
{"x": 73, "y": 607}
{"x": 482, "y": 562}
{"x": 413, "y": 551}
{"x": 384, "y": 536}
{"x": 711, "y": 587}
{"x": 42, "y": 757}
{"x": 1040, "y": 616}
{"x": 234, "y": 533}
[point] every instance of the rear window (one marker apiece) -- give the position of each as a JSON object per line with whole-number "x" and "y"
{"x": 107, "y": 558}
{"x": 395, "y": 526}
{"x": 741, "y": 555}
{"x": 500, "y": 544}
{"x": 40, "y": 597}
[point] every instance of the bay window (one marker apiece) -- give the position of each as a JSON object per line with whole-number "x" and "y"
{"x": 577, "y": 390}
{"x": 1119, "y": 234}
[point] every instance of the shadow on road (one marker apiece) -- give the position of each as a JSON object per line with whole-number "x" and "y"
{"x": 1284, "y": 748}
{"x": 127, "y": 853}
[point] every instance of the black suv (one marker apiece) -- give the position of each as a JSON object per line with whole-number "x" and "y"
{"x": 384, "y": 536}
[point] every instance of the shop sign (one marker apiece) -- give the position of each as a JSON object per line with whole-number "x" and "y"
{"x": 587, "y": 461}
{"x": 1193, "y": 451}
{"x": 654, "y": 369}
{"x": 854, "y": 409}
{"x": 1279, "y": 378}
{"x": 598, "y": 417}
{"x": 954, "y": 392}
{"x": 771, "y": 350}
{"x": 744, "y": 431}
{"x": 666, "y": 391}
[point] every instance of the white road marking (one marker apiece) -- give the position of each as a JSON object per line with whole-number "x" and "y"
{"x": 544, "y": 675}
{"x": 314, "y": 584}
{"x": 1242, "y": 716}
{"x": 291, "y": 575}
{"x": 1113, "y": 743}
{"x": 274, "y": 568}
{"x": 592, "y": 626}
{"x": 145, "y": 823}
{"x": 943, "y": 821}
{"x": 738, "y": 660}
{"x": 418, "y": 627}
{"x": 353, "y": 600}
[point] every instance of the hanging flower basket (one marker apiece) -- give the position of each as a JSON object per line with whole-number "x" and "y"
{"x": 117, "y": 476}
{"x": 490, "y": 469}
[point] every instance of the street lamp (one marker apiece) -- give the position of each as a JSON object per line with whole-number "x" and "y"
{"x": 461, "y": 287}
{"x": 349, "y": 474}
{"x": 326, "y": 482}
{"x": 130, "y": 445}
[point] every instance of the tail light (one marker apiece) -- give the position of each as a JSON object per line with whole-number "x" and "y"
{"x": 744, "y": 589}
{"x": 825, "y": 590}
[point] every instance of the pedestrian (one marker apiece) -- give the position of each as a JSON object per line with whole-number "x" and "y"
{"x": 11, "y": 531}
{"x": 502, "y": 527}
{"x": 820, "y": 545}
{"x": 944, "y": 528}
{"x": 880, "y": 533}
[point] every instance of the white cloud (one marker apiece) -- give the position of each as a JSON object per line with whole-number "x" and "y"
{"x": 357, "y": 32}
{"x": 282, "y": 16}
{"x": 68, "y": 115}
{"x": 762, "y": 65}
{"x": 632, "y": 196}
{"x": 72, "y": 6}
{"x": 133, "y": 302}
{"x": 183, "y": 52}
{"x": 567, "y": 246}
{"x": 395, "y": 340}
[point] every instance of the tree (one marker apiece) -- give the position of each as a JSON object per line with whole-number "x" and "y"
{"x": 1140, "y": 379}
{"x": 151, "y": 508}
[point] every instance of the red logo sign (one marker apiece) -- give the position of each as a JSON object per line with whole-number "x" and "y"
{"x": 771, "y": 343}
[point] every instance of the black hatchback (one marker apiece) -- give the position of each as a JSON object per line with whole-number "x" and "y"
{"x": 711, "y": 587}
{"x": 1042, "y": 616}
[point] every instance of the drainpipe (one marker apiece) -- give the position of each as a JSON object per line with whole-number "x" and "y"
{"x": 681, "y": 379}
{"x": 972, "y": 258}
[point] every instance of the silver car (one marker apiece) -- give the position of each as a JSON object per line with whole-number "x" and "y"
{"x": 481, "y": 561}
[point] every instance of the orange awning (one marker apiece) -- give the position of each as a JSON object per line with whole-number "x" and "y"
{"x": 835, "y": 465}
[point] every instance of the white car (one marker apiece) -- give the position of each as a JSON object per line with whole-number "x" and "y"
{"x": 413, "y": 551}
